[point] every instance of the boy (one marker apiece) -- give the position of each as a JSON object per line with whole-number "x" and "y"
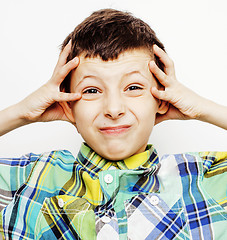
{"x": 116, "y": 83}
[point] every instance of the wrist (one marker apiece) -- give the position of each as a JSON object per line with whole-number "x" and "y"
{"x": 18, "y": 114}
{"x": 214, "y": 113}
{"x": 10, "y": 119}
{"x": 206, "y": 109}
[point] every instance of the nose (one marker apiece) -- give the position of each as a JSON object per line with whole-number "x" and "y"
{"x": 114, "y": 106}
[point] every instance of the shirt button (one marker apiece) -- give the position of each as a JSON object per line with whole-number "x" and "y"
{"x": 105, "y": 219}
{"x": 112, "y": 168}
{"x": 61, "y": 203}
{"x": 108, "y": 178}
{"x": 154, "y": 200}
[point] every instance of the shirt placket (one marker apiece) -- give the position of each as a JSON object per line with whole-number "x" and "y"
{"x": 117, "y": 187}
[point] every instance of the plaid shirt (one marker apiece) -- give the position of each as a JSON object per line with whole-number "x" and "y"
{"x": 55, "y": 196}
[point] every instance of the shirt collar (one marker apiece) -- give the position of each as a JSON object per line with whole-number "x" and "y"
{"x": 94, "y": 163}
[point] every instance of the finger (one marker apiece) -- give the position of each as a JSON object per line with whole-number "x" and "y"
{"x": 60, "y": 75}
{"x": 159, "y": 74}
{"x": 165, "y": 59}
{"x": 162, "y": 95}
{"x": 63, "y": 56}
{"x": 67, "y": 97}
{"x": 64, "y": 53}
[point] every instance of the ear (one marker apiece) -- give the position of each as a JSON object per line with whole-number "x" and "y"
{"x": 163, "y": 107}
{"x": 68, "y": 111}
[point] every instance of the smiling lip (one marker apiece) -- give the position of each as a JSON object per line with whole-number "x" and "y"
{"x": 115, "y": 130}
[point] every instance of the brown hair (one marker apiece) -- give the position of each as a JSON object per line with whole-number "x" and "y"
{"x": 106, "y": 34}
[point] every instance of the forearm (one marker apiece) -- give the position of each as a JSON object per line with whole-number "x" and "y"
{"x": 215, "y": 114}
{"x": 10, "y": 119}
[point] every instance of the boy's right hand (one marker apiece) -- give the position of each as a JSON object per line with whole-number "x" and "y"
{"x": 44, "y": 104}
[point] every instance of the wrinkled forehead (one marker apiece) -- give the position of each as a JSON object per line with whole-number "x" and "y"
{"x": 127, "y": 62}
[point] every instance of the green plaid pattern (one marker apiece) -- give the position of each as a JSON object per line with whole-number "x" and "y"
{"x": 55, "y": 196}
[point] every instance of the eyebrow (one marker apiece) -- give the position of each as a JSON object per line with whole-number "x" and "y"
{"x": 88, "y": 76}
{"x": 127, "y": 74}
{"x": 134, "y": 72}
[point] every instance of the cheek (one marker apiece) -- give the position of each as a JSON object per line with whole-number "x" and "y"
{"x": 144, "y": 107}
{"x": 84, "y": 112}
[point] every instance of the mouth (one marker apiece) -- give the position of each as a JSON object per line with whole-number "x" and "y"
{"x": 116, "y": 130}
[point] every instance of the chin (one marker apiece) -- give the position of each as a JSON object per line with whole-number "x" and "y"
{"x": 115, "y": 157}
{"x": 114, "y": 154}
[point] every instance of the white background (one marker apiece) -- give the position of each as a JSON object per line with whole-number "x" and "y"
{"x": 194, "y": 33}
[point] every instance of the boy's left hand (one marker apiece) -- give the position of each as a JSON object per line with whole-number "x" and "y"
{"x": 183, "y": 102}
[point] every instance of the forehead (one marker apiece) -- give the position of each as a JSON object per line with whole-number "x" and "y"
{"x": 128, "y": 61}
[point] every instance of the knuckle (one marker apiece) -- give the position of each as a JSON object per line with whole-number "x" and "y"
{"x": 58, "y": 97}
{"x": 63, "y": 96}
{"x": 66, "y": 50}
{"x": 46, "y": 88}
{"x": 165, "y": 78}
{"x": 71, "y": 64}
{"x": 164, "y": 95}
{"x": 60, "y": 74}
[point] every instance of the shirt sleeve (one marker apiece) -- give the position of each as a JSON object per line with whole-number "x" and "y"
{"x": 13, "y": 174}
{"x": 215, "y": 176}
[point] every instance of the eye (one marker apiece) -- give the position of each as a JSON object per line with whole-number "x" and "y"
{"x": 91, "y": 91}
{"x": 135, "y": 90}
{"x": 134, "y": 87}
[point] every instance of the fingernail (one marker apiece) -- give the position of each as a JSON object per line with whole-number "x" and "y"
{"x": 155, "y": 46}
{"x": 77, "y": 94}
{"x": 152, "y": 63}
{"x": 76, "y": 59}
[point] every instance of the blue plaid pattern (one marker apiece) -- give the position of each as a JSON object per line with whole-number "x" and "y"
{"x": 172, "y": 198}
{"x": 167, "y": 223}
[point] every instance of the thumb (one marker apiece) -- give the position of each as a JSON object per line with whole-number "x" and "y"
{"x": 67, "y": 97}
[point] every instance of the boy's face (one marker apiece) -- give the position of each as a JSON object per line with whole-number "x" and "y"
{"x": 116, "y": 113}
